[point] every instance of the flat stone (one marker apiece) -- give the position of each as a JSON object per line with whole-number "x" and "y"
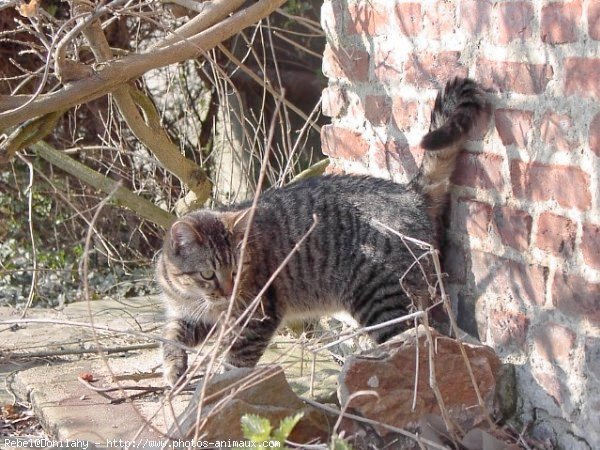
{"x": 41, "y": 363}
{"x": 397, "y": 375}
{"x": 43, "y": 358}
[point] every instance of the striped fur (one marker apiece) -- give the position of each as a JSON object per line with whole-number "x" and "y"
{"x": 347, "y": 262}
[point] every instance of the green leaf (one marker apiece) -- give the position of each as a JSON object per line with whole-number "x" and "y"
{"x": 256, "y": 428}
{"x": 286, "y": 426}
{"x": 338, "y": 443}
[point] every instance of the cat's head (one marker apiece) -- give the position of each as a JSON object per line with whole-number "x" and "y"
{"x": 200, "y": 256}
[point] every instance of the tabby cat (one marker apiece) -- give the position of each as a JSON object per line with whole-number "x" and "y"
{"x": 347, "y": 262}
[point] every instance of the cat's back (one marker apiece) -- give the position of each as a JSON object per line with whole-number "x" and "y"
{"x": 339, "y": 199}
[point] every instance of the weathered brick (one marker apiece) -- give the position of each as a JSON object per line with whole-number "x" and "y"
{"x": 438, "y": 20}
{"x": 581, "y": 77}
{"x": 508, "y": 281}
{"x": 398, "y": 158}
{"x": 514, "y": 76}
{"x": 473, "y": 217}
{"x": 574, "y": 295}
{"x": 551, "y": 383}
{"x": 555, "y": 130}
{"x": 556, "y": 234}
{"x": 561, "y": 22}
{"x": 512, "y": 21}
{"x": 404, "y": 113}
{"x": 350, "y": 63}
{"x": 509, "y": 329}
{"x": 475, "y": 15}
{"x": 594, "y": 20}
{"x": 514, "y": 227}
{"x": 479, "y": 170}
{"x": 595, "y": 135}
{"x": 590, "y": 245}
{"x": 368, "y": 17}
{"x": 388, "y": 64}
{"x": 513, "y": 126}
{"x": 554, "y": 343}
{"x": 343, "y": 143}
{"x": 378, "y": 109}
{"x": 409, "y": 18}
{"x": 432, "y": 70}
{"x": 333, "y": 101}
{"x": 569, "y": 186}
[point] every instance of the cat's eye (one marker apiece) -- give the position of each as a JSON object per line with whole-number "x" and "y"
{"x": 207, "y": 274}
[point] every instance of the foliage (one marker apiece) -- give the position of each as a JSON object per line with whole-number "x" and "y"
{"x": 258, "y": 429}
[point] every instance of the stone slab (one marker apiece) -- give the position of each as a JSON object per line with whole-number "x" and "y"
{"x": 41, "y": 363}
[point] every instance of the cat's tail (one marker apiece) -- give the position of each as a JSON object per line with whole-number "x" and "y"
{"x": 457, "y": 109}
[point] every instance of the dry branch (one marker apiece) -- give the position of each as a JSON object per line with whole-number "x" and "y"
{"x": 122, "y": 196}
{"x": 147, "y": 128}
{"x": 118, "y": 72}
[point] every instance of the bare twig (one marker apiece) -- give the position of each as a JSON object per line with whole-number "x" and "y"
{"x": 123, "y": 196}
{"x": 120, "y": 71}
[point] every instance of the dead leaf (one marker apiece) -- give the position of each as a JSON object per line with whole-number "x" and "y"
{"x": 86, "y": 376}
{"x": 29, "y": 9}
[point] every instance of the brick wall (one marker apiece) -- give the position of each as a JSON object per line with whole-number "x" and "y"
{"x": 523, "y": 255}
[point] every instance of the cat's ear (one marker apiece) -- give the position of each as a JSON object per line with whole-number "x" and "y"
{"x": 236, "y": 222}
{"x": 183, "y": 234}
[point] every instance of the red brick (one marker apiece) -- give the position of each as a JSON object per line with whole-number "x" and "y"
{"x": 569, "y": 186}
{"x": 556, "y": 234}
{"x": 514, "y": 76}
{"x": 513, "y": 20}
{"x": 514, "y": 227}
{"x": 404, "y": 113}
{"x": 551, "y": 383}
{"x": 575, "y": 296}
{"x": 595, "y": 135}
{"x": 475, "y": 16}
{"x": 481, "y": 170}
{"x": 513, "y": 126}
{"x": 378, "y": 109}
{"x": 333, "y": 101}
{"x": 431, "y": 70}
{"x": 368, "y": 17}
{"x": 581, "y": 77}
{"x": 438, "y": 20}
{"x": 555, "y": 129}
{"x": 474, "y": 217}
{"x": 554, "y": 343}
{"x": 398, "y": 158}
{"x": 590, "y": 245}
{"x": 388, "y": 65}
{"x": 343, "y": 143}
{"x": 508, "y": 281}
{"x": 509, "y": 329}
{"x": 350, "y": 63}
{"x": 594, "y": 20}
{"x": 561, "y": 22}
{"x": 409, "y": 18}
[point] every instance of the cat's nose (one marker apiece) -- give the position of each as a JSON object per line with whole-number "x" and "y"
{"x": 228, "y": 287}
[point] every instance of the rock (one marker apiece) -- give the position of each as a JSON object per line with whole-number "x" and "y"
{"x": 391, "y": 369}
{"x": 264, "y": 391}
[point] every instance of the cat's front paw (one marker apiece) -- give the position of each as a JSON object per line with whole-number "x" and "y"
{"x": 173, "y": 370}
{"x": 174, "y": 364}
